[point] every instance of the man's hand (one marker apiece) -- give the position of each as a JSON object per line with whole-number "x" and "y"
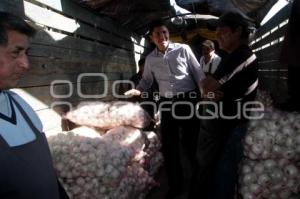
{"x": 214, "y": 96}
{"x": 133, "y": 92}
{"x": 209, "y": 84}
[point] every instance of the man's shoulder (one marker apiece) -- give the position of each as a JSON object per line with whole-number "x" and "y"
{"x": 20, "y": 99}
{"x": 217, "y": 57}
{"x": 26, "y": 106}
{"x": 180, "y": 45}
{"x": 14, "y": 95}
{"x": 151, "y": 54}
{"x": 244, "y": 50}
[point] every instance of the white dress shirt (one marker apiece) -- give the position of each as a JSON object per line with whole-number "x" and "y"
{"x": 212, "y": 65}
{"x": 176, "y": 71}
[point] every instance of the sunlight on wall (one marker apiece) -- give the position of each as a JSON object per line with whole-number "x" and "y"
{"x": 55, "y": 35}
{"x": 50, "y": 119}
{"x": 138, "y": 50}
{"x": 52, "y": 3}
{"x": 274, "y": 10}
{"x": 49, "y": 19}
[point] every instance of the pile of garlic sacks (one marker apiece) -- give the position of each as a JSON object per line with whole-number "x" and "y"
{"x": 118, "y": 163}
{"x": 271, "y": 169}
{"x": 107, "y": 115}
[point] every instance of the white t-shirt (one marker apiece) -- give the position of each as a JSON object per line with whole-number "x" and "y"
{"x": 212, "y": 65}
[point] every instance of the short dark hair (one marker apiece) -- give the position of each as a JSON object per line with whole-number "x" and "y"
{"x": 156, "y": 23}
{"x": 234, "y": 20}
{"x": 10, "y": 21}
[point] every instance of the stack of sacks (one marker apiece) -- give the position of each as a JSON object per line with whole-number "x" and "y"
{"x": 145, "y": 145}
{"x": 112, "y": 163}
{"x": 269, "y": 179}
{"x": 108, "y": 115}
{"x": 272, "y": 149}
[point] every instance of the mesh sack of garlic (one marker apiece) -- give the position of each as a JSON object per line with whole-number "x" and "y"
{"x": 265, "y": 98}
{"x": 145, "y": 144}
{"x": 135, "y": 184}
{"x": 153, "y": 159}
{"x": 272, "y": 150}
{"x": 93, "y": 166}
{"x": 276, "y": 135}
{"x": 129, "y": 137}
{"x": 146, "y": 161}
{"x": 108, "y": 115}
{"x": 269, "y": 179}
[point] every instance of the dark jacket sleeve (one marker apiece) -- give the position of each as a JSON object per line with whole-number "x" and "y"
{"x": 232, "y": 61}
{"x": 237, "y": 86}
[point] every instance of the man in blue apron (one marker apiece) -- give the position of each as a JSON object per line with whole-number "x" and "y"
{"x": 26, "y": 170}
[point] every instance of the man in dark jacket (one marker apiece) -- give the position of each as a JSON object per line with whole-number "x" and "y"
{"x": 231, "y": 86}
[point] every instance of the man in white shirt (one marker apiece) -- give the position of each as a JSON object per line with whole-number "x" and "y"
{"x": 209, "y": 60}
{"x": 178, "y": 74}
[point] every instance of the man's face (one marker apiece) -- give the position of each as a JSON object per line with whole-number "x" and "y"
{"x": 160, "y": 37}
{"x": 206, "y": 50}
{"x": 226, "y": 37}
{"x": 13, "y": 59}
